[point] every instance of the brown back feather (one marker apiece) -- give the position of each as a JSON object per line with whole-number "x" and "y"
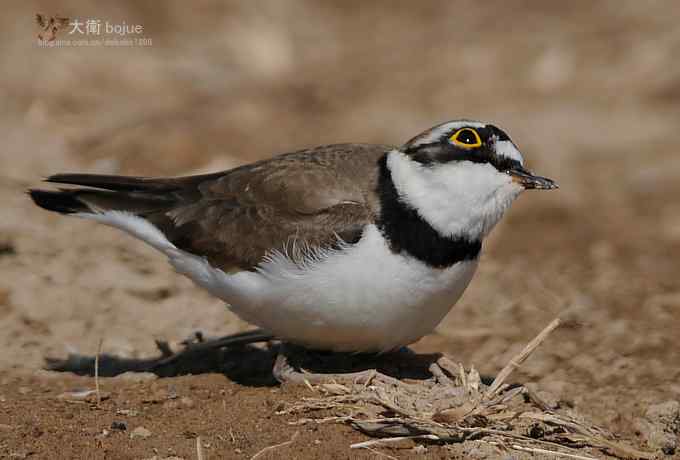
{"x": 234, "y": 218}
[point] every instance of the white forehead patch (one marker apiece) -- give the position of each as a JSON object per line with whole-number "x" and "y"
{"x": 437, "y": 132}
{"x": 508, "y": 150}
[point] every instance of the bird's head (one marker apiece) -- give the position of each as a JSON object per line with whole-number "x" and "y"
{"x": 461, "y": 176}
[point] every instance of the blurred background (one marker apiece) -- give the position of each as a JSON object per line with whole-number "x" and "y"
{"x": 589, "y": 91}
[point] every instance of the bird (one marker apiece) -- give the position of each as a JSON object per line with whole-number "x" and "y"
{"x": 345, "y": 247}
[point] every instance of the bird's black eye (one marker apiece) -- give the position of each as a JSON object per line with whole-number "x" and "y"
{"x": 466, "y": 138}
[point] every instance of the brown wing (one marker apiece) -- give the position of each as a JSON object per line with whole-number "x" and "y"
{"x": 234, "y": 218}
{"x": 314, "y": 196}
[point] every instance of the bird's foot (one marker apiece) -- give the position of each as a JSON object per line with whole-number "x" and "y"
{"x": 284, "y": 372}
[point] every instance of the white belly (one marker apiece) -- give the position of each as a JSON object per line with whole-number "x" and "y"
{"x": 361, "y": 298}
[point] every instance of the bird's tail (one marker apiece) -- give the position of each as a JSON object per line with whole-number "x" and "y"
{"x": 138, "y": 205}
{"x": 147, "y": 208}
{"x": 136, "y": 195}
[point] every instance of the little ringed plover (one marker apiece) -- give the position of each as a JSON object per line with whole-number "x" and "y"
{"x": 348, "y": 247}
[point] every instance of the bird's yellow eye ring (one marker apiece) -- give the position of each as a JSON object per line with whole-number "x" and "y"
{"x": 466, "y": 138}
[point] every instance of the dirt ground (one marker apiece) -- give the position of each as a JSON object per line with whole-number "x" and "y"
{"x": 590, "y": 91}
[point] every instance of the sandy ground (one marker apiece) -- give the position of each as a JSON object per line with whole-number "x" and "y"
{"x": 589, "y": 91}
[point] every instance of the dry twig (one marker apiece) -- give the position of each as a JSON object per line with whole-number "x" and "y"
{"x": 365, "y": 444}
{"x": 199, "y": 449}
{"x": 536, "y": 450}
{"x": 96, "y": 371}
{"x": 518, "y": 359}
{"x": 276, "y": 446}
{"x": 454, "y": 406}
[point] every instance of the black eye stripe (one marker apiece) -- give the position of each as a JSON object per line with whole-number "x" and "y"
{"x": 465, "y": 147}
{"x": 499, "y": 133}
{"x": 441, "y": 153}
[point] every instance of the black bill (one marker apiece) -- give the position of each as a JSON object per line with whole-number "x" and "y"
{"x": 527, "y": 180}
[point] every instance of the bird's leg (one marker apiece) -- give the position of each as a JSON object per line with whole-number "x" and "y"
{"x": 284, "y": 372}
{"x": 199, "y": 354}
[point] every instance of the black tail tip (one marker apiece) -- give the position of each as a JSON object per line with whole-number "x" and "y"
{"x": 63, "y": 201}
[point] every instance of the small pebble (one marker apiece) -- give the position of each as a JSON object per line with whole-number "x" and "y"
{"x": 140, "y": 432}
{"x": 45, "y": 374}
{"x": 118, "y": 425}
{"x": 136, "y": 377}
{"x": 84, "y": 395}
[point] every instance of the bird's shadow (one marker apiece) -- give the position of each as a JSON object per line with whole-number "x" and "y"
{"x": 246, "y": 364}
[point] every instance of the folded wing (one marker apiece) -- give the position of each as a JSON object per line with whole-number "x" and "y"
{"x": 295, "y": 202}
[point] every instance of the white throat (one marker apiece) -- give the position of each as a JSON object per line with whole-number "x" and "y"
{"x": 459, "y": 198}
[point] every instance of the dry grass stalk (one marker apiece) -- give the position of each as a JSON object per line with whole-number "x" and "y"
{"x": 537, "y": 450}
{"x": 522, "y": 356}
{"x": 275, "y": 446}
{"x": 96, "y": 371}
{"x": 454, "y": 406}
{"x": 199, "y": 449}
{"x": 365, "y": 444}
